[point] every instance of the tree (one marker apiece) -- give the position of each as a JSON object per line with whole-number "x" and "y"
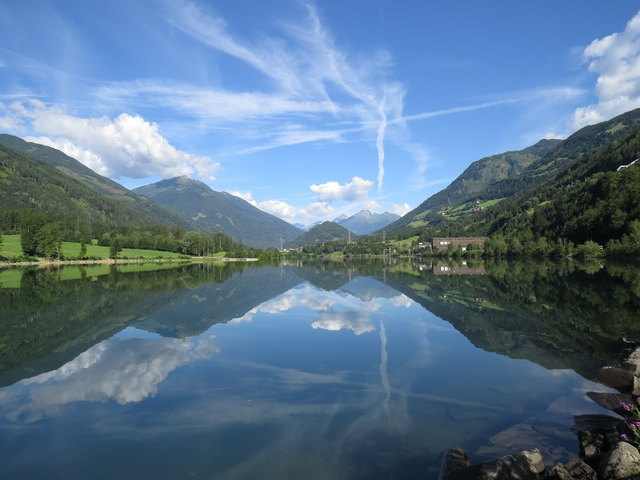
{"x": 115, "y": 247}
{"x": 83, "y": 249}
{"x": 30, "y": 233}
{"x": 589, "y": 249}
{"x": 49, "y": 241}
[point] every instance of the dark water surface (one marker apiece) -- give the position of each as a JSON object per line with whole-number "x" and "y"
{"x": 302, "y": 370}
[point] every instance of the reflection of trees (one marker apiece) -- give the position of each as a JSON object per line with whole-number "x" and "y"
{"x": 561, "y": 315}
{"x": 48, "y": 321}
{"x": 211, "y": 303}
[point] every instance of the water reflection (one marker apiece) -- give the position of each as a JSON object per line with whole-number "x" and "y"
{"x": 321, "y": 370}
{"x": 124, "y": 370}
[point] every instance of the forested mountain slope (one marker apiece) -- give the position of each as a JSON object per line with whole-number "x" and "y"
{"x": 220, "y": 212}
{"x": 553, "y": 158}
{"x": 27, "y": 183}
{"x": 596, "y": 197}
{"x": 325, "y": 232}
{"x": 98, "y": 183}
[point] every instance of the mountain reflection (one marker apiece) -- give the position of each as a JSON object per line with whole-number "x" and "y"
{"x": 314, "y": 369}
{"x": 561, "y": 315}
{"x": 123, "y": 370}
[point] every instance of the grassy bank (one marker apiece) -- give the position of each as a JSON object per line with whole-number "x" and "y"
{"x": 11, "y": 249}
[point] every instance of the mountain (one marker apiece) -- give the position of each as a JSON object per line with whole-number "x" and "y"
{"x": 460, "y": 197}
{"x": 220, "y": 212}
{"x": 306, "y": 228}
{"x": 325, "y": 232}
{"x": 542, "y": 162}
{"x": 365, "y": 222}
{"x": 27, "y": 183}
{"x": 594, "y": 198}
{"x": 101, "y": 185}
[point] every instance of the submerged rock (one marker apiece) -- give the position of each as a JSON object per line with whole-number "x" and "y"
{"x": 455, "y": 461}
{"x": 597, "y": 433}
{"x": 526, "y": 465}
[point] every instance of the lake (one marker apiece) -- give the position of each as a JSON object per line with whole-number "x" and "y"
{"x": 314, "y": 370}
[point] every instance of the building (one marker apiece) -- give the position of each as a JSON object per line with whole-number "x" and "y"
{"x": 442, "y": 243}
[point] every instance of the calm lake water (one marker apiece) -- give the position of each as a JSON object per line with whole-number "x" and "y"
{"x": 322, "y": 370}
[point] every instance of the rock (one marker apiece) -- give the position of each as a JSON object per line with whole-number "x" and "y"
{"x": 526, "y": 465}
{"x": 636, "y": 385}
{"x": 576, "y": 469}
{"x": 537, "y": 432}
{"x": 621, "y": 462}
{"x": 535, "y": 460}
{"x": 634, "y": 359}
{"x": 611, "y": 401}
{"x": 559, "y": 472}
{"x": 580, "y": 470}
{"x": 616, "y": 377}
{"x": 596, "y": 433}
{"x": 592, "y": 444}
{"x": 453, "y": 463}
{"x": 596, "y": 423}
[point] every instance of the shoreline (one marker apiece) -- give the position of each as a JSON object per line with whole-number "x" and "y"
{"x": 123, "y": 261}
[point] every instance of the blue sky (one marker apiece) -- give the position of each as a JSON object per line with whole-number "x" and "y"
{"x": 310, "y": 109}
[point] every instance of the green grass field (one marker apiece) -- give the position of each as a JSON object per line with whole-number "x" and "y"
{"x": 406, "y": 241}
{"x": 11, "y": 248}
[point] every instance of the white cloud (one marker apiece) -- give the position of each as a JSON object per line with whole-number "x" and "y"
{"x": 554, "y": 136}
{"x": 9, "y": 123}
{"x": 400, "y": 208}
{"x": 310, "y": 78}
{"x": 304, "y": 215}
{"x": 125, "y": 146}
{"x": 270, "y": 58}
{"x": 356, "y": 190}
{"x": 246, "y": 196}
{"x": 212, "y": 103}
{"x": 616, "y": 60}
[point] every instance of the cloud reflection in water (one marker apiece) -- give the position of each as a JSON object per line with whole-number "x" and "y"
{"x": 123, "y": 370}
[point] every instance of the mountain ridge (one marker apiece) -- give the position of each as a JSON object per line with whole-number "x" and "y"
{"x": 96, "y": 182}
{"x": 325, "y": 232}
{"x": 220, "y": 211}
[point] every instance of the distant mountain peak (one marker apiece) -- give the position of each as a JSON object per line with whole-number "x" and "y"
{"x": 365, "y": 213}
{"x": 366, "y": 221}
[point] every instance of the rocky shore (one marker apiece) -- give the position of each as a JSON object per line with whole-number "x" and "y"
{"x": 608, "y": 444}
